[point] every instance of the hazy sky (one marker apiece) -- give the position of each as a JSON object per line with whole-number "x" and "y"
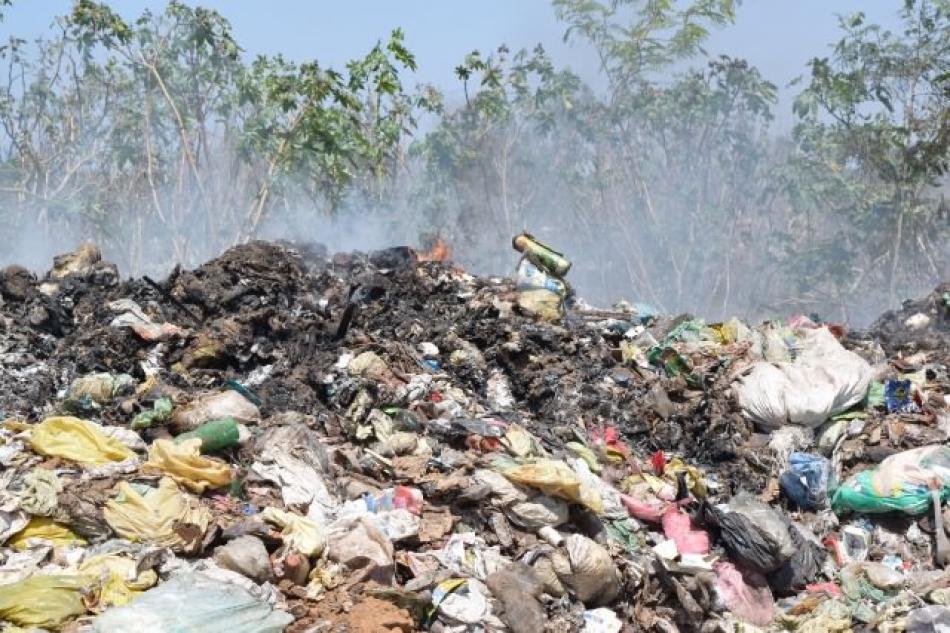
{"x": 778, "y": 36}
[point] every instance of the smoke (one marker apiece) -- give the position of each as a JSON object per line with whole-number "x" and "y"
{"x": 672, "y": 191}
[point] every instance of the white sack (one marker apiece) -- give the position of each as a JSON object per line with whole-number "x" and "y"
{"x": 824, "y": 380}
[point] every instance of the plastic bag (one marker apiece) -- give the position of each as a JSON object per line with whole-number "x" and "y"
{"x": 900, "y": 482}
{"x": 538, "y": 292}
{"x": 361, "y": 546}
{"x": 755, "y": 534}
{"x": 44, "y": 530}
{"x": 520, "y": 443}
{"x": 40, "y": 490}
{"x": 748, "y": 597}
{"x": 650, "y": 496}
{"x": 370, "y": 364}
{"x": 462, "y": 601}
{"x": 214, "y": 406}
{"x": 160, "y": 413}
{"x": 100, "y": 387}
{"x": 388, "y": 511}
{"x": 114, "y": 580}
{"x": 298, "y": 532}
{"x": 538, "y": 512}
{"x": 293, "y": 458}
{"x": 186, "y": 465}
{"x": 930, "y": 619}
{"x": 830, "y": 616}
{"x": 553, "y": 478}
{"x": 593, "y": 576}
{"x": 503, "y": 492}
{"x": 612, "y": 507}
{"x": 883, "y": 577}
{"x": 42, "y": 601}
{"x": 518, "y": 588}
{"x": 601, "y": 620}
{"x": 678, "y": 526}
{"x": 247, "y": 556}
{"x": 86, "y": 392}
{"x": 153, "y": 516}
{"x": 644, "y": 505}
{"x": 12, "y": 520}
{"x": 467, "y": 554}
{"x": 825, "y": 379}
{"x": 899, "y": 398}
{"x": 856, "y": 584}
{"x": 801, "y": 568}
{"x": 77, "y": 440}
{"x": 194, "y": 602}
{"x": 583, "y": 452}
{"x": 807, "y": 480}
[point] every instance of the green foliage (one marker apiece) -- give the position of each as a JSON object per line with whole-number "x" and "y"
{"x": 873, "y": 142}
{"x": 636, "y": 37}
{"x": 487, "y": 162}
{"x": 132, "y": 132}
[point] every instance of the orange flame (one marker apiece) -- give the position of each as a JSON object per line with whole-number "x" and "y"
{"x": 440, "y": 252}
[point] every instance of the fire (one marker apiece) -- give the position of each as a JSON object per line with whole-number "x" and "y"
{"x": 440, "y": 252}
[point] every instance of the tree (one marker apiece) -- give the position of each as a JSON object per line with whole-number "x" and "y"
{"x": 652, "y": 182}
{"x": 154, "y": 136}
{"x": 489, "y": 164}
{"x": 873, "y": 143}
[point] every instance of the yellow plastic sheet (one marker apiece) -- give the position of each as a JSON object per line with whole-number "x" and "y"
{"x": 77, "y": 440}
{"x": 554, "y": 478}
{"x": 298, "y": 532}
{"x": 40, "y": 492}
{"x": 117, "y": 579}
{"x": 694, "y": 477}
{"x": 98, "y": 387}
{"x": 541, "y": 302}
{"x": 152, "y": 517}
{"x": 45, "y": 530}
{"x": 586, "y": 454}
{"x": 42, "y": 601}
{"x": 665, "y": 487}
{"x": 185, "y": 464}
{"x": 520, "y": 443}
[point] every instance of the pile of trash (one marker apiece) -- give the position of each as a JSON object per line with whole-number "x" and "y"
{"x": 288, "y": 440}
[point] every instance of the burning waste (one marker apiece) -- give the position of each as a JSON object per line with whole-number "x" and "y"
{"x": 280, "y": 440}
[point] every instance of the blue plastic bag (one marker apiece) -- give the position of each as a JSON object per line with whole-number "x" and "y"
{"x": 807, "y": 480}
{"x": 898, "y": 397}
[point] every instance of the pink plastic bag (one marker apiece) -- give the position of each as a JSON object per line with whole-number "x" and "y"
{"x": 645, "y": 511}
{"x": 678, "y": 526}
{"x": 748, "y": 597}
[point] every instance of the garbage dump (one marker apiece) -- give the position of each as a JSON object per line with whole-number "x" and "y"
{"x": 287, "y": 440}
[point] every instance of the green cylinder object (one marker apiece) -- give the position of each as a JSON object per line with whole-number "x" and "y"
{"x": 215, "y": 435}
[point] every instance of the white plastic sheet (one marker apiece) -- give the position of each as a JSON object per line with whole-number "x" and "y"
{"x": 194, "y": 603}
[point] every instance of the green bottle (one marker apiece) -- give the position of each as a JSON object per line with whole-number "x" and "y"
{"x": 215, "y": 435}
{"x": 541, "y": 255}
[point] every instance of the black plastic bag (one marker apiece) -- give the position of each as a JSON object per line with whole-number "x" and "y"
{"x": 801, "y": 569}
{"x": 755, "y": 535}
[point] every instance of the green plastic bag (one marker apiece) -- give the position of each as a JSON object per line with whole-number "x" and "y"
{"x": 899, "y": 483}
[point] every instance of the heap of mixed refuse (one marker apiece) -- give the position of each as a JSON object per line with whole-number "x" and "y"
{"x": 285, "y": 440}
